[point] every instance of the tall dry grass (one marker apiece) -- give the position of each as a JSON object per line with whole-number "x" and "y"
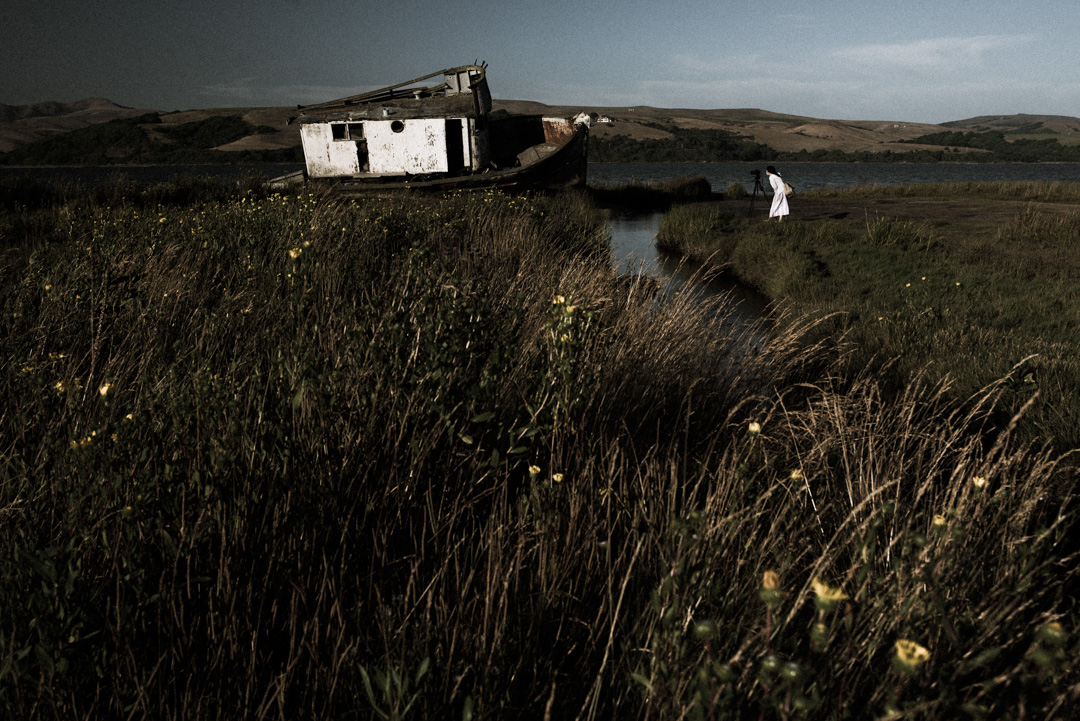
{"x": 428, "y": 458}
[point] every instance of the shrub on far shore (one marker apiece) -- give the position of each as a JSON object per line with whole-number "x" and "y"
{"x": 735, "y": 191}
{"x": 636, "y": 196}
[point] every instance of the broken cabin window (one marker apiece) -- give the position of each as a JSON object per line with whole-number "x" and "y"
{"x": 340, "y": 131}
{"x": 356, "y": 131}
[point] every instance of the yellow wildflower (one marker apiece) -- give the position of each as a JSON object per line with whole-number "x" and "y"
{"x": 534, "y": 470}
{"x": 797, "y": 475}
{"x": 754, "y": 428}
{"x": 979, "y": 482}
{"x": 557, "y": 477}
{"x": 771, "y": 594}
{"x": 825, "y": 596}
{"x": 104, "y": 389}
{"x": 910, "y": 655}
{"x": 1052, "y": 633}
{"x": 939, "y": 520}
{"x": 295, "y": 253}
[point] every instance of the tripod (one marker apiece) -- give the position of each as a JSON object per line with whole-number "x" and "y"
{"x": 757, "y": 186}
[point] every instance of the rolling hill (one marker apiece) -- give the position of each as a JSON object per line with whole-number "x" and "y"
{"x": 268, "y": 132}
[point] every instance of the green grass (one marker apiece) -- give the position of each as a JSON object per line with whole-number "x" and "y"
{"x": 1055, "y": 191}
{"x": 287, "y": 457}
{"x": 637, "y": 196}
{"x": 969, "y": 303}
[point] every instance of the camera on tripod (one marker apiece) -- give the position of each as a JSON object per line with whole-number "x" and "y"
{"x": 756, "y": 175}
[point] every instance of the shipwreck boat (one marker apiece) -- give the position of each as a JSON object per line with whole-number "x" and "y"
{"x": 442, "y": 136}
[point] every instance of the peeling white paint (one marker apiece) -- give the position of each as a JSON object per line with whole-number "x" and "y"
{"x": 393, "y": 147}
{"x": 325, "y": 156}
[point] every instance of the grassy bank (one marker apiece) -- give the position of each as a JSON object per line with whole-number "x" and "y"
{"x": 289, "y": 457}
{"x": 640, "y": 197}
{"x": 970, "y": 280}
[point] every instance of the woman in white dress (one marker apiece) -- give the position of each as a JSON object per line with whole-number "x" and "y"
{"x": 779, "y": 198}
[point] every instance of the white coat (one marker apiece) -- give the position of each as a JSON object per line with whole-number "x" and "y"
{"x": 779, "y": 199}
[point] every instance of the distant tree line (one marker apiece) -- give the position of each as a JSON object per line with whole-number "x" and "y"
{"x": 126, "y": 141}
{"x": 717, "y": 146}
{"x": 684, "y": 146}
{"x": 1000, "y": 149}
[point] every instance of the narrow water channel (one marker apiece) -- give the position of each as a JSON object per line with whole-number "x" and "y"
{"x": 633, "y": 239}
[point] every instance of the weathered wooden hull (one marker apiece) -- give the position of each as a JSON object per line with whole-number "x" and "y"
{"x": 548, "y": 168}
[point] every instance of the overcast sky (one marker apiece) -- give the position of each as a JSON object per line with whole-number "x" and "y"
{"x": 914, "y": 60}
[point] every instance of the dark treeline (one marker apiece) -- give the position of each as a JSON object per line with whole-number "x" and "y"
{"x": 1020, "y": 150}
{"x": 716, "y": 146}
{"x": 684, "y": 146}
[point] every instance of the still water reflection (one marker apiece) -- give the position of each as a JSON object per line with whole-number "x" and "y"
{"x": 633, "y": 241}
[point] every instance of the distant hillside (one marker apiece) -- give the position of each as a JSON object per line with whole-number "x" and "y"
{"x": 97, "y": 132}
{"x": 20, "y": 124}
{"x": 93, "y": 108}
{"x": 647, "y": 133}
{"x": 1020, "y": 123}
{"x": 147, "y": 140}
{"x": 783, "y": 133}
{"x": 52, "y": 132}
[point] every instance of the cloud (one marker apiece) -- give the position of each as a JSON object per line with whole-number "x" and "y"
{"x": 239, "y": 89}
{"x": 929, "y": 54}
{"x": 746, "y": 64}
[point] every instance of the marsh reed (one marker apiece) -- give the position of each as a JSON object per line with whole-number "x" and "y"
{"x": 289, "y": 457}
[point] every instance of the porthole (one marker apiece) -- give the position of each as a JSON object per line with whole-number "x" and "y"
{"x": 397, "y": 126}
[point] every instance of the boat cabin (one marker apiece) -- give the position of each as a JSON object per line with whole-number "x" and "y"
{"x": 398, "y": 131}
{"x": 439, "y": 134}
